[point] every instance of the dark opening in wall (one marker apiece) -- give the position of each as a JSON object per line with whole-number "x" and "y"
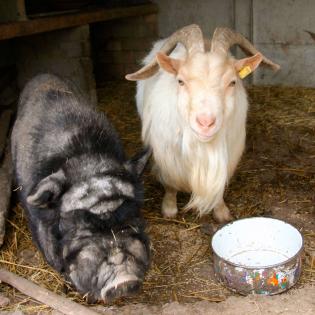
{"x": 118, "y": 46}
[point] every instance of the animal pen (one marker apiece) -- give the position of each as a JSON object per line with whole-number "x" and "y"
{"x": 95, "y": 45}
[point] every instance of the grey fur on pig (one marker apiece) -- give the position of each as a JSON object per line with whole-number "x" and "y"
{"x": 82, "y": 195}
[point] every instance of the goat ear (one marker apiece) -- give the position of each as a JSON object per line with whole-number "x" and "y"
{"x": 248, "y": 65}
{"x": 138, "y": 162}
{"x": 167, "y": 63}
{"x": 47, "y": 190}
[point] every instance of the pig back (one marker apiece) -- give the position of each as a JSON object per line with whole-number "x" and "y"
{"x": 54, "y": 122}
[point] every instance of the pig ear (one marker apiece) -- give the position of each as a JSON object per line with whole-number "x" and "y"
{"x": 167, "y": 63}
{"x": 137, "y": 163}
{"x": 47, "y": 190}
{"x": 248, "y": 65}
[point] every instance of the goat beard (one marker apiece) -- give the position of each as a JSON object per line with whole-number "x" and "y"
{"x": 205, "y": 179}
{"x": 209, "y": 178}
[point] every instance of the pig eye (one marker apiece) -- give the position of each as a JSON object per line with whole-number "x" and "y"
{"x": 180, "y": 82}
{"x": 232, "y": 83}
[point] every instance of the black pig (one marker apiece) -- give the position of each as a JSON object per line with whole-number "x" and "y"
{"x": 81, "y": 195}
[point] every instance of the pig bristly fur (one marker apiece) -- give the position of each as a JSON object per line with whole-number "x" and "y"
{"x": 81, "y": 194}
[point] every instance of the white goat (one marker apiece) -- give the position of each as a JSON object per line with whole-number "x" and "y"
{"x": 193, "y": 108}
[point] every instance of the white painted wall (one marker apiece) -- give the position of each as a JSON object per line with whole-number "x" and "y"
{"x": 275, "y": 27}
{"x": 174, "y": 14}
{"x": 279, "y": 31}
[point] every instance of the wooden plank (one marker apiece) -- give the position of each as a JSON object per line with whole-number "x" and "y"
{"x": 41, "y": 25}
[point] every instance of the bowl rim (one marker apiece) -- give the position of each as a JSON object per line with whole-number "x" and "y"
{"x": 258, "y": 267}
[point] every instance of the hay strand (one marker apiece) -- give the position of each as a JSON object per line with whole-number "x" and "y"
{"x": 276, "y": 177}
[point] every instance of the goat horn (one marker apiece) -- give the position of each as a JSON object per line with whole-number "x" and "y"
{"x": 190, "y": 36}
{"x": 224, "y": 38}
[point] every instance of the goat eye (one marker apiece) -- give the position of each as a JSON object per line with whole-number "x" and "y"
{"x": 181, "y": 82}
{"x": 232, "y": 83}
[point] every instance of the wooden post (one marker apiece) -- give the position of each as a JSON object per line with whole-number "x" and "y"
{"x": 12, "y": 10}
{"x": 21, "y": 10}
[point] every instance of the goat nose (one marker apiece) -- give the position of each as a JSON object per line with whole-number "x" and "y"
{"x": 205, "y": 120}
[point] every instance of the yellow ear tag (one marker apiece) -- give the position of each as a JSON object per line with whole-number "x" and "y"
{"x": 245, "y": 72}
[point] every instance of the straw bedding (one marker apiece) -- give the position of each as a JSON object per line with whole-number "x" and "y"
{"x": 276, "y": 177}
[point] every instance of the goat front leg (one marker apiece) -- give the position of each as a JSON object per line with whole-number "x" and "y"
{"x": 169, "y": 203}
{"x": 221, "y": 213}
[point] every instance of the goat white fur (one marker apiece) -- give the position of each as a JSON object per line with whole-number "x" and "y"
{"x": 194, "y": 120}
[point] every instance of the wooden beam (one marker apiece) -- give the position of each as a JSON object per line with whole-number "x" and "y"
{"x": 60, "y": 303}
{"x": 41, "y": 25}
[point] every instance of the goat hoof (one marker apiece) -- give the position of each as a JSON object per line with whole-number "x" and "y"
{"x": 169, "y": 211}
{"x": 169, "y": 214}
{"x": 169, "y": 206}
{"x": 222, "y": 214}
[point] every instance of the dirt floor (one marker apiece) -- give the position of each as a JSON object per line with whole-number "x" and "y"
{"x": 276, "y": 178}
{"x": 294, "y": 302}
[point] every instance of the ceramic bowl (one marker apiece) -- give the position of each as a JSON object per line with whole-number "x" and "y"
{"x": 257, "y": 255}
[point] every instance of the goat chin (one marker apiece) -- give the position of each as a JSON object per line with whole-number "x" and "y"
{"x": 182, "y": 161}
{"x": 197, "y": 167}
